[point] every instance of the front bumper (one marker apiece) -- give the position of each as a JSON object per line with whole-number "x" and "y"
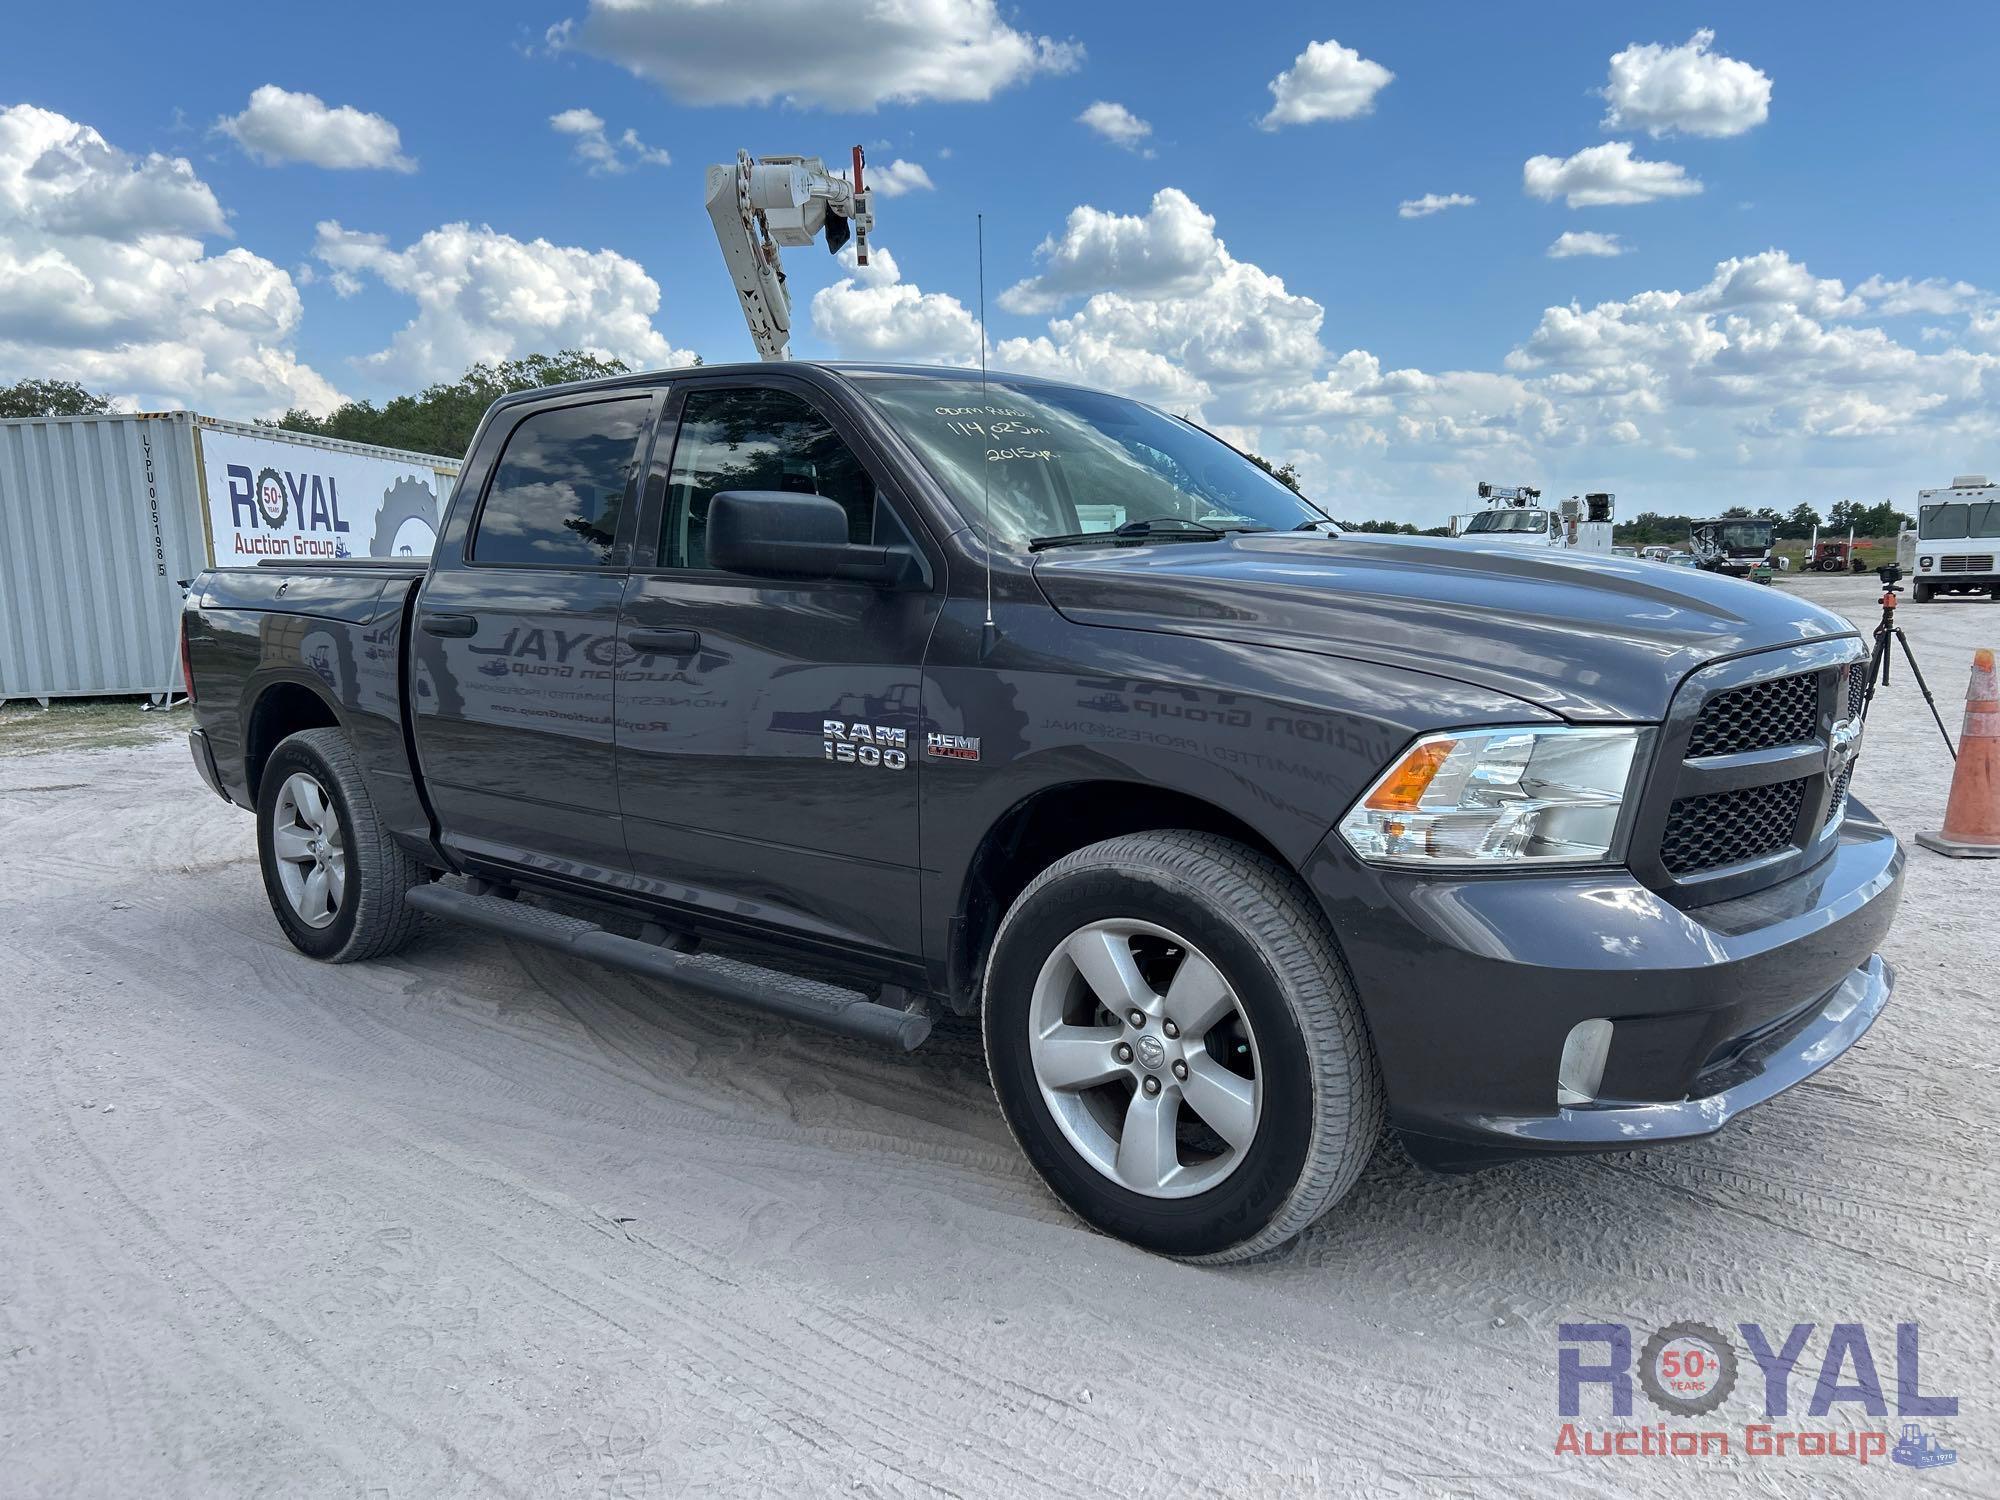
{"x": 1471, "y": 984}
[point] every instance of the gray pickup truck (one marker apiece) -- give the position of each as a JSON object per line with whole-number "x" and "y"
{"x": 873, "y": 696}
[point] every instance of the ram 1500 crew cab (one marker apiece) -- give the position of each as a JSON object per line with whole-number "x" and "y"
{"x": 868, "y": 695}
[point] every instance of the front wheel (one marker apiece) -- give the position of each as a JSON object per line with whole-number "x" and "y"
{"x": 1922, "y": 591}
{"x": 335, "y": 879}
{"x": 1175, "y": 1044}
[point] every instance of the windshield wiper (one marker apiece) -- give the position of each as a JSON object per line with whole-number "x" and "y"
{"x": 1162, "y": 528}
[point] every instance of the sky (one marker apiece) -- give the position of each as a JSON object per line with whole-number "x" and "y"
{"x": 1698, "y": 256}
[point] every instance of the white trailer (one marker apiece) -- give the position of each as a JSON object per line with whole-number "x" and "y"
{"x": 102, "y": 516}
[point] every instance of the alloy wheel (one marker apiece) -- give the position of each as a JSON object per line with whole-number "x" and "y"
{"x": 307, "y": 844}
{"x": 1145, "y": 1057}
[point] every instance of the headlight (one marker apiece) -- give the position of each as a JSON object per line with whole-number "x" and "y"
{"x": 1497, "y": 797}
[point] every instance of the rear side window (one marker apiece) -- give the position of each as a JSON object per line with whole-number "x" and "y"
{"x": 560, "y": 486}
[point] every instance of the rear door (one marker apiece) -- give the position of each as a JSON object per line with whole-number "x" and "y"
{"x": 771, "y": 731}
{"x": 516, "y": 636}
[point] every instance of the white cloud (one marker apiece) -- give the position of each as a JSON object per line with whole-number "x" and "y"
{"x": 279, "y": 126}
{"x": 1764, "y": 377}
{"x": 1118, "y": 125}
{"x": 1606, "y": 174}
{"x": 1433, "y": 203}
{"x": 601, "y": 155}
{"x": 871, "y": 313}
{"x": 898, "y": 178}
{"x": 1172, "y": 249}
{"x": 483, "y": 295}
{"x": 1325, "y": 82}
{"x": 1933, "y": 298}
{"x": 58, "y": 177}
{"x": 1765, "y": 350}
{"x": 807, "y": 53}
{"x": 1586, "y": 242}
{"x": 104, "y": 280}
{"x": 1661, "y": 89}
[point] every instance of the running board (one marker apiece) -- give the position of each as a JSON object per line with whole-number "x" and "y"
{"x": 780, "y": 994}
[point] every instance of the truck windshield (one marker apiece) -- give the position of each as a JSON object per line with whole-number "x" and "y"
{"x": 1053, "y": 460}
{"x": 1958, "y": 520}
{"x": 1742, "y": 536}
{"x": 1508, "y": 520}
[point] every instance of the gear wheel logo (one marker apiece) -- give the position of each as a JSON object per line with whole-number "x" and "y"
{"x": 272, "y": 502}
{"x": 1687, "y": 1369}
{"x": 408, "y": 503}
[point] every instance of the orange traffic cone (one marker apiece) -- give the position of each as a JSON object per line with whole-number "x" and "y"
{"x": 1972, "y": 814}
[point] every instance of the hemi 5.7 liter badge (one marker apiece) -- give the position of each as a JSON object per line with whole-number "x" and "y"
{"x": 952, "y": 746}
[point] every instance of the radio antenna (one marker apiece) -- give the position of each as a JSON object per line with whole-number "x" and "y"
{"x": 986, "y": 470}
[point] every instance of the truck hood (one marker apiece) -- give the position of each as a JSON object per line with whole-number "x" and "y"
{"x": 1587, "y": 636}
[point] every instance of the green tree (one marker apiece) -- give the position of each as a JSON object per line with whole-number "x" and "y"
{"x": 442, "y": 418}
{"x": 1650, "y": 528}
{"x": 1882, "y": 520}
{"x": 1285, "y": 474}
{"x": 1800, "y": 523}
{"x": 50, "y": 398}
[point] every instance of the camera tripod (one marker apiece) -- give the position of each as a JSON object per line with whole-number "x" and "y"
{"x": 1878, "y": 663}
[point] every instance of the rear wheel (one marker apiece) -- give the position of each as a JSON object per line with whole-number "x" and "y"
{"x": 1176, "y": 1046}
{"x": 335, "y": 879}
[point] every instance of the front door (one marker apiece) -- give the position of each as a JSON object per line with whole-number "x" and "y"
{"x": 770, "y": 731}
{"x": 515, "y": 642}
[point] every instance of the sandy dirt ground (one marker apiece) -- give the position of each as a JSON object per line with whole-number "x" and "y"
{"x": 473, "y": 1221}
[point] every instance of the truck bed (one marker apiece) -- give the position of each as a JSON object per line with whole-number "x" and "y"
{"x": 359, "y": 590}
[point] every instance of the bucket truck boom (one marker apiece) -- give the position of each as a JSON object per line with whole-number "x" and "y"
{"x": 758, "y": 204}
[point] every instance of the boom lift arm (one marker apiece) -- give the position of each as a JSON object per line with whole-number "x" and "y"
{"x": 761, "y": 203}
{"x": 1519, "y": 495}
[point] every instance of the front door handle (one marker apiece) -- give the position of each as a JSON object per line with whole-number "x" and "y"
{"x": 447, "y": 624}
{"x": 665, "y": 642}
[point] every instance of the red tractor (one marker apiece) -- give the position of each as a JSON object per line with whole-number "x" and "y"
{"x": 1833, "y": 557}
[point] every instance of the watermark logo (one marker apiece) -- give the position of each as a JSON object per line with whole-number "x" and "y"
{"x": 1690, "y": 1370}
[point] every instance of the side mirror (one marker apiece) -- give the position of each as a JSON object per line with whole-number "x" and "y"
{"x": 780, "y": 534}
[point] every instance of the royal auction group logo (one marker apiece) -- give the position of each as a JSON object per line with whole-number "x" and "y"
{"x": 1690, "y": 1370}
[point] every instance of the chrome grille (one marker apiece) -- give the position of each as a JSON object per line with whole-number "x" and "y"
{"x": 1741, "y": 796}
{"x": 1725, "y": 828}
{"x": 1780, "y": 711}
{"x": 1961, "y": 562}
{"x": 1836, "y": 809}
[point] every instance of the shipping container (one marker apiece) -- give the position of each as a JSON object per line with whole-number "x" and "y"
{"x": 102, "y": 518}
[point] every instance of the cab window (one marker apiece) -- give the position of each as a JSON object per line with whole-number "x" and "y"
{"x": 559, "y": 488}
{"x": 747, "y": 438}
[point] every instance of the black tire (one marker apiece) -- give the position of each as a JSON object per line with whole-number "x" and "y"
{"x": 1922, "y": 591}
{"x": 1321, "y": 1111}
{"x": 372, "y": 918}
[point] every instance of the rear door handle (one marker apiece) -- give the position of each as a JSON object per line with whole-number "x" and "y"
{"x": 665, "y": 642}
{"x": 446, "y": 624}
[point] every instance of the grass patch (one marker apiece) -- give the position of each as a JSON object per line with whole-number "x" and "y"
{"x": 84, "y": 724}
